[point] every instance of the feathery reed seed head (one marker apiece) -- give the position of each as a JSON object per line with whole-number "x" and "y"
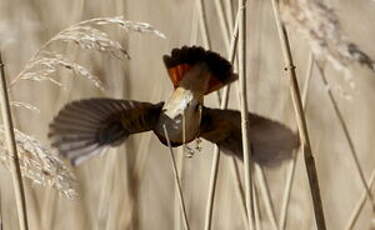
{"x": 39, "y": 164}
{"x": 320, "y": 25}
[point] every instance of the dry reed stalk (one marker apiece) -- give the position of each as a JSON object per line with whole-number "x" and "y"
{"x": 239, "y": 190}
{"x": 267, "y": 197}
{"x": 177, "y": 181}
{"x": 321, "y": 26}
{"x": 104, "y": 196}
{"x": 348, "y": 138}
{"x": 1, "y": 218}
{"x": 287, "y": 193}
{"x": 18, "y": 186}
{"x": 292, "y": 168}
{"x": 360, "y": 204}
{"x": 180, "y": 166}
{"x": 260, "y": 175}
{"x": 216, "y": 154}
{"x": 306, "y": 84}
{"x": 247, "y": 153}
{"x": 212, "y": 188}
{"x": 223, "y": 23}
{"x": 204, "y": 32}
{"x": 256, "y": 207}
{"x": 229, "y": 14}
{"x": 261, "y": 178}
{"x": 194, "y": 28}
{"x": 233, "y": 162}
{"x": 203, "y": 24}
{"x": 181, "y": 151}
{"x": 301, "y": 121}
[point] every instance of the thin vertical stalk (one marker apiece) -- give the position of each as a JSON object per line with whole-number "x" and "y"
{"x": 301, "y": 121}
{"x": 12, "y": 148}
{"x": 194, "y": 28}
{"x": 348, "y": 138}
{"x": 104, "y": 195}
{"x": 266, "y": 195}
{"x": 177, "y": 180}
{"x": 203, "y": 24}
{"x": 256, "y": 207}
{"x": 306, "y": 84}
{"x": 216, "y": 154}
{"x": 229, "y": 13}
{"x": 181, "y": 151}
{"x": 239, "y": 190}
{"x": 247, "y": 154}
{"x": 223, "y": 24}
{"x": 204, "y": 32}
{"x": 233, "y": 163}
{"x": 287, "y": 192}
{"x": 212, "y": 188}
{"x": 359, "y": 206}
{"x": 223, "y": 102}
{"x": 1, "y": 214}
{"x": 292, "y": 168}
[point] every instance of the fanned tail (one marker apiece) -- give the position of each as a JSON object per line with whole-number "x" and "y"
{"x": 183, "y": 59}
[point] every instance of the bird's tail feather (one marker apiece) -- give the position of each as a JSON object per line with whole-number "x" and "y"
{"x": 183, "y": 59}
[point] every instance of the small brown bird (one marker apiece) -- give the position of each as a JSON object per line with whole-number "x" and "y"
{"x": 85, "y": 128}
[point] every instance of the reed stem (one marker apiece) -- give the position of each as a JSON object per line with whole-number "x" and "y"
{"x": 247, "y": 153}
{"x": 12, "y": 148}
{"x": 301, "y": 120}
{"x": 177, "y": 181}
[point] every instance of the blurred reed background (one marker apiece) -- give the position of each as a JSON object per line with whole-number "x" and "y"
{"x": 132, "y": 187}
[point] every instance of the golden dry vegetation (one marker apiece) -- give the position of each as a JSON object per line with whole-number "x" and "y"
{"x": 133, "y": 187}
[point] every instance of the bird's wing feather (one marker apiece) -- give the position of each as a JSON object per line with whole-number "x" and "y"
{"x": 271, "y": 141}
{"x": 84, "y": 128}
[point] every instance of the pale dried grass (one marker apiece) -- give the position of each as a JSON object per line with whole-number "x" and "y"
{"x": 20, "y": 104}
{"x": 42, "y": 67}
{"x": 321, "y": 26}
{"x": 39, "y": 164}
{"x": 87, "y": 37}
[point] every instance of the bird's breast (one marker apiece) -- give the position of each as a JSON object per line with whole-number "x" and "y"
{"x": 181, "y": 129}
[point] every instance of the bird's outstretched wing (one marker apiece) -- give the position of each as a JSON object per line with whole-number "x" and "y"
{"x": 84, "y": 128}
{"x": 183, "y": 59}
{"x": 271, "y": 141}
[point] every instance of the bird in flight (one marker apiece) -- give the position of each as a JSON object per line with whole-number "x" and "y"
{"x": 84, "y": 128}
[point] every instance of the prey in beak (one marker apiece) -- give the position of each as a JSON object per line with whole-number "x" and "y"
{"x": 85, "y": 128}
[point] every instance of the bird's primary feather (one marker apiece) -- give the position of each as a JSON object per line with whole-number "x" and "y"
{"x": 271, "y": 142}
{"x": 85, "y": 128}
